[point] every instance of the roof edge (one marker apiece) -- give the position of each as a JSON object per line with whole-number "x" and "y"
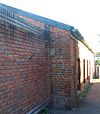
{"x": 37, "y": 17}
{"x": 78, "y": 36}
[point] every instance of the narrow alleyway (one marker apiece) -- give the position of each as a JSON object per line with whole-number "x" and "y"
{"x": 91, "y": 103}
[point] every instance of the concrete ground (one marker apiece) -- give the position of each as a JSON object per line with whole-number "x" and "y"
{"x": 90, "y": 104}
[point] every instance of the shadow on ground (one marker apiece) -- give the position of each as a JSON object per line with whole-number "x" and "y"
{"x": 89, "y": 104}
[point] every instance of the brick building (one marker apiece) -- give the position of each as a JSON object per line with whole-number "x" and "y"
{"x": 41, "y": 62}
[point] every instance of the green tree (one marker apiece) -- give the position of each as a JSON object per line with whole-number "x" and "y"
{"x": 98, "y": 62}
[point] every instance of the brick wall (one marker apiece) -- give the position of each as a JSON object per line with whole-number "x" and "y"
{"x": 65, "y": 52}
{"x": 24, "y": 70}
{"x": 39, "y": 63}
{"x": 62, "y": 68}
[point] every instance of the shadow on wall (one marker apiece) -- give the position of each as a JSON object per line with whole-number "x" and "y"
{"x": 41, "y": 60}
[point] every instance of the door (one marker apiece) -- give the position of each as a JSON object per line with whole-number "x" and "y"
{"x": 79, "y": 73}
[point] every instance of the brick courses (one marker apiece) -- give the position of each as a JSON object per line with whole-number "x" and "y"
{"x": 24, "y": 74}
{"x": 38, "y": 62}
{"x": 63, "y": 86}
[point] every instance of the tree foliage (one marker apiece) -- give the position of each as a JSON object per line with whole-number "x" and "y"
{"x": 98, "y": 62}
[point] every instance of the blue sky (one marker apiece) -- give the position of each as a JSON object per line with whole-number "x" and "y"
{"x": 82, "y": 14}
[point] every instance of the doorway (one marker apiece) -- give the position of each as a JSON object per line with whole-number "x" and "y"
{"x": 79, "y": 74}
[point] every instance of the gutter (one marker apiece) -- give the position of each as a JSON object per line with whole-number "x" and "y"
{"x": 77, "y": 35}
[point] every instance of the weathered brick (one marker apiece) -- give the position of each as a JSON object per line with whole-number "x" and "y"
{"x": 23, "y": 79}
{"x": 39, "y": 62}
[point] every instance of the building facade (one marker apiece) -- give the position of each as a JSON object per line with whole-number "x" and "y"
{"x": 97, "y": 62}
{"x": 41, "y": 62}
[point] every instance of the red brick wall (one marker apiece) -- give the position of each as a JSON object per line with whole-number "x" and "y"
{"x": 24, "y": 69}
{"x": 62, "y": 67}
{"x": 37, "y": 62}
{"x": 65, "y": 53}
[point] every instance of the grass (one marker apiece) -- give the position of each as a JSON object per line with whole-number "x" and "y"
{"x": 83, "y": 95}
{"x": 86, "y": 90}
{"x": 44, "y": 111}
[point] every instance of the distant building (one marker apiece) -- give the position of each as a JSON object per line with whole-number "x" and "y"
{"x": 41, "y": 62}
{"x": 97, "y": 55}
{"x": 97, "y": 62}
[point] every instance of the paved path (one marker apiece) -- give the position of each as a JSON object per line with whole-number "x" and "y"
{"x": 90, "y": 105}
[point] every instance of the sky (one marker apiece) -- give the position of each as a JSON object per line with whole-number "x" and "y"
{"x": 82, "y": 14}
